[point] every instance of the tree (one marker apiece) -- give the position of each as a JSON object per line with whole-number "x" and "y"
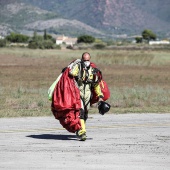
{"x": 148, "y": 35}
{"x": 85, "y": 39}
{"x": 34, "y": 35}
{"x": 42, "y": 42}
{"x": 45, "y": 34}
{"x": 138, "y": 39}
{"x": 17, "y": 38}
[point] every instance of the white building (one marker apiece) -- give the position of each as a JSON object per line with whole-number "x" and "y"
{"x": 159, "y": 42}
{"x": 67, "y": 40}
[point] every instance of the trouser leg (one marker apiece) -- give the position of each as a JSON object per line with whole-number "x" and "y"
{"x": 82, "y": 120}
{"x": 85, "y": 104}
{"x": 85, "y": 115}
{"x": 82, "y": 132}
{"x": 86, "y": 110}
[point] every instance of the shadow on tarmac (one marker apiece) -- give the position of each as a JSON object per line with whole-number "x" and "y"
{"x": 55, "y": 137}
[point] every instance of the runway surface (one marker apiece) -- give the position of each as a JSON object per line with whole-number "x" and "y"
{"x": 119, "y": 142}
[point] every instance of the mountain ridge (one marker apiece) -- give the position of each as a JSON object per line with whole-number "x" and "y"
{"x": 99, "y": 17}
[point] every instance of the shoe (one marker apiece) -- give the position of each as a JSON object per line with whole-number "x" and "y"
{"x": 81, "y": 135}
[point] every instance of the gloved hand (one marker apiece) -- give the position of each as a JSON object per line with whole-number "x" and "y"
{"x": 100, "y": 99}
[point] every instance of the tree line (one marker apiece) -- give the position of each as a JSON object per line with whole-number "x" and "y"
{"x": 48, "y": 42}
{"x": 36, "y": 41}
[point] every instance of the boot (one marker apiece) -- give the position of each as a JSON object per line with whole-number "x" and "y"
{"x": 81, "y": 134}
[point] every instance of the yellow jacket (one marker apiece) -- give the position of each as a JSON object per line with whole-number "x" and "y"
{"x": 86, "y": 76}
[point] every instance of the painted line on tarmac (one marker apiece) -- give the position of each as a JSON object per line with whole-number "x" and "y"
{"x": 90, "y": 127}
{"x": 131, "y": 125}
{"x": 29, "y": 130}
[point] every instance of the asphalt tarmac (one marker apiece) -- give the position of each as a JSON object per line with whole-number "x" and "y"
{"x": 119, "y": 142}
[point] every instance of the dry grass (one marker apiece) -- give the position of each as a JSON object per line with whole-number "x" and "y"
{"x": 139, "y": 81}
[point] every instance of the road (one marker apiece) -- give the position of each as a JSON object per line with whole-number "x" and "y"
{"x": 119, "y": 142}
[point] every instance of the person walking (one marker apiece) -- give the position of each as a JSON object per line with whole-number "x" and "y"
{"x": 86, "y": 79}
{"x": 79, "y": 85}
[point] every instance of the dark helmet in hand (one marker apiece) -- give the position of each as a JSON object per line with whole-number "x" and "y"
{"x": 103, "y": 107}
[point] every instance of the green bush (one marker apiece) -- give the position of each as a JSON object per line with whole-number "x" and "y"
{"x": 85, "y": 39}
{"x": 33, "y": 45}
{"x": 17, "y": 38}
{"x": 2, "y": 43}
{"x": 44, "y": 44}
{"x": 48, "y": 44}
{"x": 99, "y": 46}
{"x": 55, "y": 46}
{"x": 138, "y": 39}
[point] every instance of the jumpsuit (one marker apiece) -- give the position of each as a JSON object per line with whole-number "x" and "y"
{"x": 85, "y": 81}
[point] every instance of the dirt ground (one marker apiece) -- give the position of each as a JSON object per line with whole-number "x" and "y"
{"x": 120, "y": 142}
{"x": 42, "y": 71}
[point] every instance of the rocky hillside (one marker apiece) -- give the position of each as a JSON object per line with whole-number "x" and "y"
{"x": 95, "y": 17}
{"x": 117, "y": 15}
